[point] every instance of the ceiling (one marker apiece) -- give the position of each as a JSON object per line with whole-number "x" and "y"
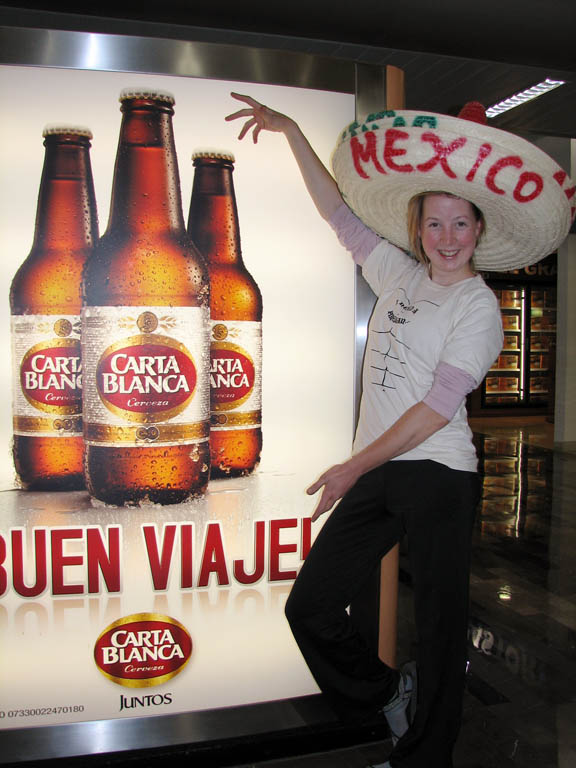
{"x": 452, "y": 51}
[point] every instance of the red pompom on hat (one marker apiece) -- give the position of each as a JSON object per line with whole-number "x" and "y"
{"x": 474, "y": 111}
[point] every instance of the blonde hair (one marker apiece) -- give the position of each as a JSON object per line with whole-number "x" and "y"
{"x": 415, "y": 212}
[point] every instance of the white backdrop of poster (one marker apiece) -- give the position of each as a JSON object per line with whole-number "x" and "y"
{"x": 243, "y": 651}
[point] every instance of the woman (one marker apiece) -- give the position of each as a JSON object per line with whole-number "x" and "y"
{"x": 434, "y": 333}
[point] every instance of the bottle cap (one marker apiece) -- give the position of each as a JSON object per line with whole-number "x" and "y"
{"x": 146, "y": 93}
{"x": 58, "y": 129}
{"x": 216, "y": 154}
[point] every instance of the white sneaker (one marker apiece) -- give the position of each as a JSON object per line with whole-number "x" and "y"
{"x": 399, "y": 712}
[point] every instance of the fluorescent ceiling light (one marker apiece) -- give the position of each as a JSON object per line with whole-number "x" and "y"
{"x": 523, "y": 96}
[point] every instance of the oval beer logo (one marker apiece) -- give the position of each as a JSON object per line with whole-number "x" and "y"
{"x": 232, "y": 376}
{"x": 146, "y": 378}
{"x": 143, "y": 650}
{"x": 51, "y": 376}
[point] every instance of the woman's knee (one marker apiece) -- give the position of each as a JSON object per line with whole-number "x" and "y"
{"x": 297, "y": 606}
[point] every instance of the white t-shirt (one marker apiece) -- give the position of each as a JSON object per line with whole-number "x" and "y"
{"x": 417, "y": 324}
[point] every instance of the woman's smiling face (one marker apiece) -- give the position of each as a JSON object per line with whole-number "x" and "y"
{"x": 449, "y": 232}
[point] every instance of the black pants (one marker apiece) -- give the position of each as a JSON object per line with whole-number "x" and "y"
{"x": 435, "y": 506}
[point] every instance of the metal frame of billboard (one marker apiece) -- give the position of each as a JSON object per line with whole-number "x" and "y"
{"x": 45, "y": 47}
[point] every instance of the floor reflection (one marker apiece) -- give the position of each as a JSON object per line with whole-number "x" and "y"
{"x": 517, "y": 486}
{"x": 521, "y": 698}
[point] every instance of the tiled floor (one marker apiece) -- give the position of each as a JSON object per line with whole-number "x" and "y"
{"x": 520, "y": 705}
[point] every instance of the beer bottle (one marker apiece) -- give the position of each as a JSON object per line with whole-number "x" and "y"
{"x": 236, "y": 319}
{"x": 145, "y": 321}
{"x": 46, "y": 300}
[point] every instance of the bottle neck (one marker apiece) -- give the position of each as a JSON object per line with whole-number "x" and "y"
{"x": 66, "y": 214}
{"x": 146, "y": 189}
{"x": 213, "y": 220}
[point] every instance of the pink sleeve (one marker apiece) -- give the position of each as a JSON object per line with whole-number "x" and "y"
{"x": 450, "y": 387}
{"x": 353, "y": 234}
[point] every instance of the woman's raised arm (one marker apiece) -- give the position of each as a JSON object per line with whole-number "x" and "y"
{"x": 319, "y": 183}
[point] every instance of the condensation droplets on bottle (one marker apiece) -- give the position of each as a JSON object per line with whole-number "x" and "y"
{"x": 145, "y": 326}
{"x": 235, "y": 316}
{"x": 46, "y": 300}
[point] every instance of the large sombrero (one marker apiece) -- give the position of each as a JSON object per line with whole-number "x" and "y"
{"x": 527, "y": 199}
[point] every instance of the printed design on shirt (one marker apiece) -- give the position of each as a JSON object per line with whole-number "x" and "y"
{"x": 388, "y": 352}
{"x": 390, "y": 369}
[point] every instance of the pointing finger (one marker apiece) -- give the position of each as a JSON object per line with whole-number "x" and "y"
{"x": 311, "y": 490}
{"x": 246, "y": 99}
{"x": 316, "y": 485}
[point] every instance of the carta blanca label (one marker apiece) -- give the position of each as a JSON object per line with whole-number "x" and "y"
{"x": 146, "y": 375}
{"x": 142, "y": 650}
{"x": 232, "y": 374}
{"x": 235, "y": 372}
{"x": 142, "y": 646}
{"x": 47, "y": 375}
{"x": 52, "y": 375}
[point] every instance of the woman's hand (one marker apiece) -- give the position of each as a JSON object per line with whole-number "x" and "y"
{"x": 319, "y": 183}
{"x": 415, "y": 426}
{"x": 336, "y": 481}
{"x": 260, "y": 118}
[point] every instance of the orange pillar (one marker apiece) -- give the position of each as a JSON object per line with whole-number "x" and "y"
{"x": 395, "y": 92}
{"x": 388, "y": 607}
{"x": 395, "y": 99}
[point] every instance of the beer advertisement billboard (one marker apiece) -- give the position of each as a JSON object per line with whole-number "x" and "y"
{"x": 146, "y": 556}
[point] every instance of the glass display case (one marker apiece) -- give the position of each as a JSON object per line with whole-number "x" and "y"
{"x": 504, "y": 383}
{"x": 542, "y": 345}
{"x": 523, "y": 374}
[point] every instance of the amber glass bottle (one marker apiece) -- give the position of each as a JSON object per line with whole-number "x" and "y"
{"x": 46, "y": 300}
{"x": 236, "y": 319}
{"x": 145, "y": 326}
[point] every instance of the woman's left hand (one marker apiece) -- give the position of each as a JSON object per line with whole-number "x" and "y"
{"x": 336, "y": 481}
